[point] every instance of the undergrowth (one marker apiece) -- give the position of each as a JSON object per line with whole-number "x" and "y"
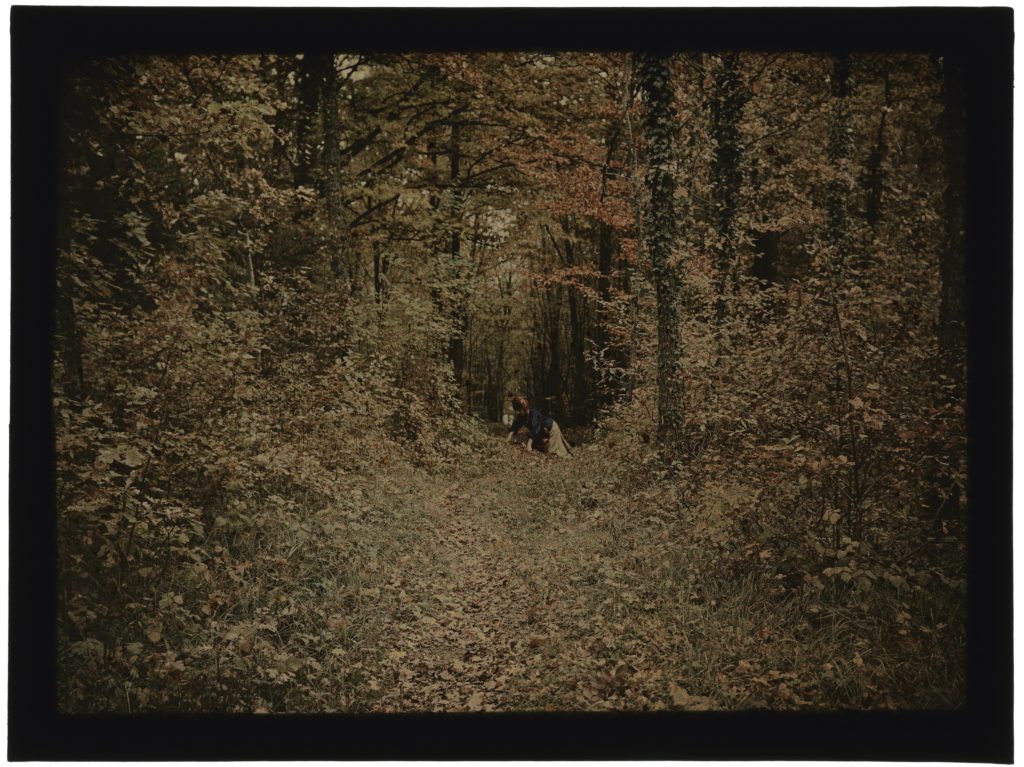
{"x": 639, "y": 590}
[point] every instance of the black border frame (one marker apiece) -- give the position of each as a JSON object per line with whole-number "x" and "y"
{"x": 44, "y": 40}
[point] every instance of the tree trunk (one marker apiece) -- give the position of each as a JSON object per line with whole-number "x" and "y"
{"x": 840, "y": 149}
{"x": 604, "y": 262}
{"x": 330, "y": 181}
{"x": 580, "y": 395}
{"x": 577, "y": 337}
{"x": 727, "y": 101}
{"x": 660, "y": 233}
{"x": 309, "y": 73}
{"x": 552, "y": 394}
{"x": 603, "y": 386}
{"x": 457, "y": 308}
{"x": 875, "y": 177}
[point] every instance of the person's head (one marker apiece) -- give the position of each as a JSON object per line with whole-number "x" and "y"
{"x": 520, "y": 404}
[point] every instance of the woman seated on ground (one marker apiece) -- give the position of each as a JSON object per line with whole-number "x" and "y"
{"x": 545, "y": 436}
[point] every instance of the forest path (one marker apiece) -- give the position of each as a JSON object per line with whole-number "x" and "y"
{"x": 469, "y": 643}
{"x": 530, "y": 583}
{"x": 513, "y": 603}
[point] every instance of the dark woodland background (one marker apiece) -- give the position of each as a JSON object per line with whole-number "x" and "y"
{"x": 297, "y": 273}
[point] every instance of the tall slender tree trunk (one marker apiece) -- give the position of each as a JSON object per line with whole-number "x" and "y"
{"x": 457, "y": 308}
{"x": 605, "y": 388}
{"x": 660, "y": 130}
{"x": 553, "y": 386}
{"x": 437, "y": 236}
{"x": 875, "y": 176}
{"x": 330, "y": 180}
{"x": 309, "y": 74}
{"x": 577, "y": 334}
{"x": 380, "y": 279}
{"x": 580, "y": 400}
{"x": 728, "y": 98}
{"x": 840, "y": 149}
{"x": 580, "y": 394}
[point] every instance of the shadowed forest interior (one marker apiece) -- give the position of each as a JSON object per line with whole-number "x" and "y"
{"x": 296, "y": 291}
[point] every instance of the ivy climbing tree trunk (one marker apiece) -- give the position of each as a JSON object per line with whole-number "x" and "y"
{"x": 727, "y": 100}
{"x": 875, "y": 175}
{"x": 660, "y": 234}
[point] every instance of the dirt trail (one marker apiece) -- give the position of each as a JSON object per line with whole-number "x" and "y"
{"x": 468, "y": 648}
{"x": 518, "y": 600}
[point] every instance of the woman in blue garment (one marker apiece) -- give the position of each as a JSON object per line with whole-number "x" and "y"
{"x": 545, "y": 436}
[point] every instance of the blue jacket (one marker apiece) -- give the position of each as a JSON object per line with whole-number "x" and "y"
{"x": 535, "y": 423}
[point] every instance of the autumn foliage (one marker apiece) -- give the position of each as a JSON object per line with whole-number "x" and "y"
{"x": 295, "y": 291}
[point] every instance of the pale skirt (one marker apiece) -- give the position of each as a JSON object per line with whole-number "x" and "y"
{"x": 556, "y": 443}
